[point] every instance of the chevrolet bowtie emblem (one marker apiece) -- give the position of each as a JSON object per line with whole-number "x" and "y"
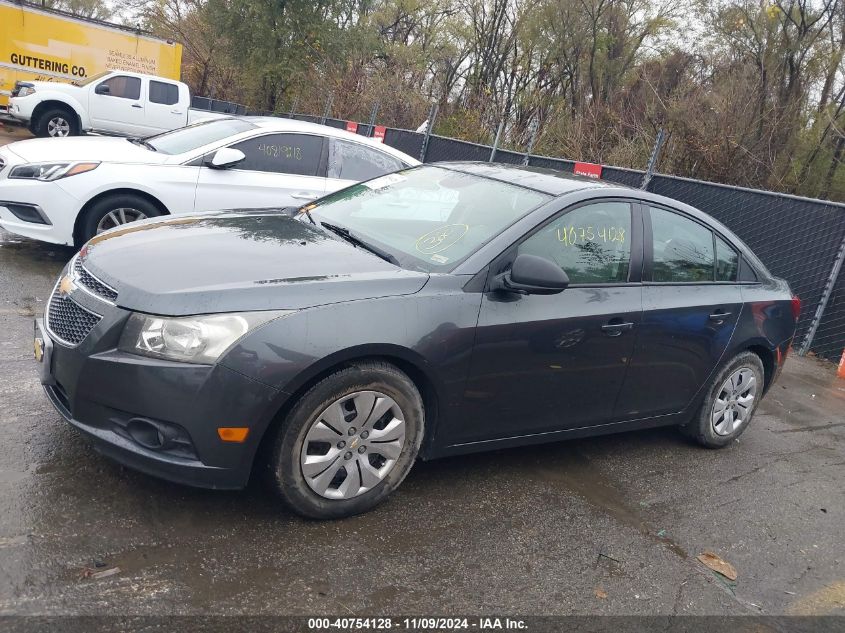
{"x": 66, "y": 286}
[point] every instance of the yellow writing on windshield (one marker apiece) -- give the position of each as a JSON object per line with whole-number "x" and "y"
{"x": 440, "y": 239}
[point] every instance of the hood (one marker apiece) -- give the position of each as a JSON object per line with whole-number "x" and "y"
{"x": 92, "y": 148}
{"x": 237, "y": 262}
{"x": 56, "y": 86}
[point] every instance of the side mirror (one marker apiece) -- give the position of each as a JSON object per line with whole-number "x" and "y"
{"x": 102, "y": 89}
{"x": 532, "y": 275}
{"x": 225, "y": 157}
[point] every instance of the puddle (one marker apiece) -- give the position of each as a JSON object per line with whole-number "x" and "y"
{"x": 574, "y": 471}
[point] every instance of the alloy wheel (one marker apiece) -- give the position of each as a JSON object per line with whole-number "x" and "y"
{"x": 734, "y": 402}
{"x": 58, "y": 126}
{"x": 118, "y": 217}
{"x": 352, "y": 446}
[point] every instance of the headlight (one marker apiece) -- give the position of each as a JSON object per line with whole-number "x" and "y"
{"x": 50, "y": 171}
{"x": 25, "y": 91}
{"x": 197, "y": 339}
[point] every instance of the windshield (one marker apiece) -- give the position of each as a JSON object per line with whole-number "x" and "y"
{"x": 192, "y": 137}
{"x": 92, "y": 78}
{"x": 428, "y": 217}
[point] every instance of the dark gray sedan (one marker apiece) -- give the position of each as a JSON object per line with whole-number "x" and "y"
{"x": 439, "y": 310}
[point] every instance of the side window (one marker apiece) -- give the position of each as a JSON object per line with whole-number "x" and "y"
{"x": 683, "y": 249}
{"x": 727, "y": 261}
{"x": 354, "y": 161}
{"x": 297, "y": 154}
{"x": 592, "y": 244}
{"x": 124, "y": 87}
{"x": 165, "y": 93}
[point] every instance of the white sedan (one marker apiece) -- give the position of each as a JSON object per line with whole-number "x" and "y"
{"x": 66, "y": 190}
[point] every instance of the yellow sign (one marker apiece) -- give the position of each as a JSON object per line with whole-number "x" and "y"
{"x": 42, "y": 45}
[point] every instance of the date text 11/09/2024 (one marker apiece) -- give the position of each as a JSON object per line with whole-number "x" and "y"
{"x": 418, "y": 623}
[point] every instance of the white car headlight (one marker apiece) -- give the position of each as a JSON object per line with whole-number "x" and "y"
{"x": 197, "y": 339}
{"x": 25, "y": 91}
{"x": 50, "y": 171}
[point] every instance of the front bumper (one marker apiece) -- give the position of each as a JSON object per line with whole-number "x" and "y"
{"x": 104, "y": 392}
{"x": 55, "y": 208}
{"x": 21, "y": 108}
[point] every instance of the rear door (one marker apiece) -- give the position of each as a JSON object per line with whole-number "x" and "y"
{"x": 165, "y": 108}
{"x": 280, "y": 170}
{"x": 121, "y": 110}
{"x": 546, "y": 363}
{"x": 691, "y": 304}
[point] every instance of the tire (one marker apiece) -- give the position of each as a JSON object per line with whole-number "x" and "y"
{"x": 126, "y": 206}
{"x": 323, "y": 413}
{"x": 715, "y": 429}
{"x": 56, "y": 122}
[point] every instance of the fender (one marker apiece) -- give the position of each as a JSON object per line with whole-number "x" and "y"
{"x": 70, "y": 101}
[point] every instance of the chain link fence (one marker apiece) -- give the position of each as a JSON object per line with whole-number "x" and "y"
{"x": 799, "y": 239}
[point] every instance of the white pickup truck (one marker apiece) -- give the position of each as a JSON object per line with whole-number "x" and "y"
{"x": 114, "y": 102}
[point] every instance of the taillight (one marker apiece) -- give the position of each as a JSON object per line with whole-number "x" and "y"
{"x": 796, "y": 307}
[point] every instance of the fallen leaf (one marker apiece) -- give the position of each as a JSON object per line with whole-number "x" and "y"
{"x": 718, "y": 565}
{"x": 106, "y": 573}
{"x": 601, "y": 593}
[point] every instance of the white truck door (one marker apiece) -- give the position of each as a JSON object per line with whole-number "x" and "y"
{"x": 167, "y": 106}
{"x": 116, "y": 105}
{"x": 280, "y": 170}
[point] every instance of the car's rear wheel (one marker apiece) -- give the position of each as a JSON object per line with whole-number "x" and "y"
{"x": 114, "y": 211}
{"x": 348, "y": 442}
{"x": 730, "y": 403}
{"x": 57, "y": 123}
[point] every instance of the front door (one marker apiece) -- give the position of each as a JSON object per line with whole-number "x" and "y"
{"x": 280, "y": 170}
{"x": 691, "y": 303}
{"x": 121, "y": 109}
{"x": 545, "y": 363}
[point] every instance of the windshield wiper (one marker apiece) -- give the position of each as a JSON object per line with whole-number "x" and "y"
{"x": 139, "y": 141}
{"x": 357, "y": 241}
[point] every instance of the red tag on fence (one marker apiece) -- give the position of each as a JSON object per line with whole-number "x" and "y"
{"x": 378, "y": 133}
{"x": 590, "y": 170}
{"x": 351, "y": 126}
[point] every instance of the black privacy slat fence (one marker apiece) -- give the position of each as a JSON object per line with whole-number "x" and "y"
{"x": 799, "y": 239}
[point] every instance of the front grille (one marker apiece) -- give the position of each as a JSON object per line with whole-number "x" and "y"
{"x": 92, "y": 283}
{"x": 2, "y": 163}
{"x": 68, "y": 320}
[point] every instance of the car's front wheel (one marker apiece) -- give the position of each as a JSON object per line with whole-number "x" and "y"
{"x": 730, "y": 403}
{"x": 348, "y": 442}
{"x": 113, "y": 211}
{"x": 56, "y": 123}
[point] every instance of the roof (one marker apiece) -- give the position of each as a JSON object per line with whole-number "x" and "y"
{"x": 293, "y": 125}
{"x": 555, "y": 183}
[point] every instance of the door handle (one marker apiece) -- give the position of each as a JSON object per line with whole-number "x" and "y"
{"x": 304, "y": 195}
{"x": 137, "y": 105}
{"x": 175, "y": 112}
{"x": 616, "y": 329}
{"x": 719, "y": 317}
